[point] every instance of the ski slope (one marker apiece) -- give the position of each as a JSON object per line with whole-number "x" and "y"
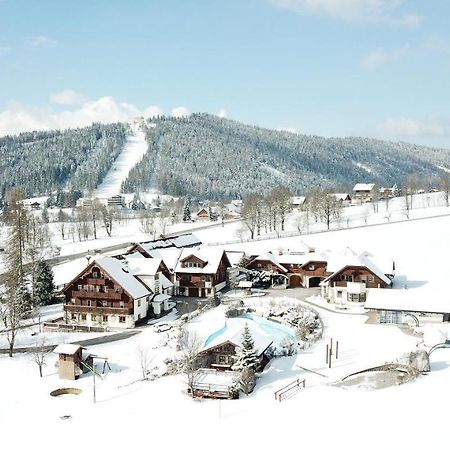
{"x": 133, "y": 151}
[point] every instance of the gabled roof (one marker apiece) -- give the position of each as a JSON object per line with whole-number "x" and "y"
{"x": 115, "y": 269}
{"x": 272, "y": 258}
{"x": 67, "y": 349}
{"x": 341, "y": 196}
{"x": 170, "y": 256}
{"x": 338, "y": 261}
{"x": 232, "y": 333}
{"x": 180, "y": 241}
{"x": 364, "y": 186}
{"x": 298, "y": 200}
{"x": 211, "y": 255}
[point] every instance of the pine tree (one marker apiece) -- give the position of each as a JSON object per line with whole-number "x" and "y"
{"x": 187, "y": 212}
{"x": 246, "y": 356}
{"x": 44, "y": 285}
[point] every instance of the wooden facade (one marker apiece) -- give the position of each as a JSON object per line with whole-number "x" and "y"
{"x": 96, "y": 298}
{"x": 200, "y": 283}
{"x": 357, "y": 274}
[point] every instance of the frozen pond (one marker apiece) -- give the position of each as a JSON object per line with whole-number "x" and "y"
{"x": 372, "y": 380}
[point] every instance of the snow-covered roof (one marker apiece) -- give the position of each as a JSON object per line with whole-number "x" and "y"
{"x": 341, "y": 196}
{"x": 385, "y": 263}
{"x": 215, "y": 378}
{"x": 292, "y": 258}
{"x": 180, "y": 241}
{"x": 364, "y": 187}
{"x": 234, "y": 257}
{"x": 232, "y": 332}
{"x": 67, "y": 349}
{"x": 170, "y": 256}
{"x": 115, "y": 268}
{"x": 211, "y": 256}
{"x": 143, "y": 266}
{"x": 411, "y": 300}
{"x": 298, "y": 200}
{"x": 272, "y": 258}
{"x": 337, "y": 261}
{"x": 245, "y": 284}
{"x": 160, "y": 298}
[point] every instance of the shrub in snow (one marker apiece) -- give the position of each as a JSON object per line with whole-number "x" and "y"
{"x": 247, "y": 380}
{"x": 287, "y": 347}
{"x": 233, "y": 311}
{"x": 419, "y": 361}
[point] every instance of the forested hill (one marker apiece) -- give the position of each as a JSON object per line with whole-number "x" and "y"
{"x": 209, "y": 157}
{"x": 205, "y": 156}
{"x": 43, "y": 161}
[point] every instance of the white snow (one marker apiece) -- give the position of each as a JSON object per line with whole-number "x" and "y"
{"x": 133, "y": 151}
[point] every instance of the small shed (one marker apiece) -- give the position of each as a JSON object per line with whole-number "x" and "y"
{"x": 246, "y": 286}
{"x": 73, "y": 361}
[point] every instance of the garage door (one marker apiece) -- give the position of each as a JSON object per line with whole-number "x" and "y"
{"x": 295, "y": 281}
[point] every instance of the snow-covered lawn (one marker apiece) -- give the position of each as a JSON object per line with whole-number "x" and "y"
{"x": 159, "y": 413}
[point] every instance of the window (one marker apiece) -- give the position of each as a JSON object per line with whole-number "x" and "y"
{"x": 139, "y": 303}
{"x": 98, "y": 288}
{"x": 104, "y": 303}
{"x": 311, "y": 267}
{"x": 94, "y": 274}
{"x": 117, "y": 290}
{"x": 259, "y": 265}
{"x": 122, "y": 319}
{"x": 105, "y": 319}
{"x": 105, "y": 288}
{"x": 74, "y": 316}
{"x": 80, "y": 287}
{"x": 89, "y": 303}
{"x": 363, "y": 278}
{"x": 122, "y": 304}
{"x": 370, "y": 278}
{"x": 186, "y": 277}
{"x": 203, "y": 278}
{"x": 357, "y": 298}
{"x": 94, "y": 317}
{"x": 72, "y": 300}
{"x": 83, "y": 316}
{"x": 91, "y": 288}
{"x": 347, "y": 277}
{"x": 222, "y": 359}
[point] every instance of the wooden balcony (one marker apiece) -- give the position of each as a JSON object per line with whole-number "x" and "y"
{"x": 97, "y": 310}
{"x": 110, "y": 295}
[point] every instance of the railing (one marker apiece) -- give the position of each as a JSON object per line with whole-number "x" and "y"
{"x": 290, "y": 390}
{"x": 95, "y": 294}
{"x": 97, "y": 310}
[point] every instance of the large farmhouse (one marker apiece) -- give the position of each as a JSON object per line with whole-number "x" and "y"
{"x": 117, "y": 292}
{"x": 342, "y": 275}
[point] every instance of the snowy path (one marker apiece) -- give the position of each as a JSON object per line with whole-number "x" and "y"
{"x": 133, "y": 151}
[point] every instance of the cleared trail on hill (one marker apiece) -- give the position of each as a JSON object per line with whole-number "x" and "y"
{"x": 133, "y": 151}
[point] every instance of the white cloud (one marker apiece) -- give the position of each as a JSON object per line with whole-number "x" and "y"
{"x": 152, "y": 111}
{"x": 380, "y": 57}
{"x": 404, "y": 127}
{"x": 222, "y": 113}
{"x": 18, "y": 117}
{"x": 180, "y": 111}
{"x": 68, "y": 97}
{"x": 42, "y": 41}
{"x": 351, "y": 10}
{"x": 4, "y": 50}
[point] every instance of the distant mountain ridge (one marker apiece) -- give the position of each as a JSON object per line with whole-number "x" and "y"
{"x": 205, "y": 156}
{"x": 210, "y": 157}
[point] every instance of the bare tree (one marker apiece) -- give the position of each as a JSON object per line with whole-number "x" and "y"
{"x": 328, "y": 207}
{"x": 282, "y": 199}
{"x": 148, "y": 225}
{"x": 109, "y": 214}
{"x": 95, "y": 211}
{"x": 40, "y": 352}
{"x": 16, "y": 298}
{"x": 189, "y": 361}
{"x": 164, "y": 220}
{"x": 250, "y": 214}
{"x": 62, "y": 223}
{"x": 145, "y": 360}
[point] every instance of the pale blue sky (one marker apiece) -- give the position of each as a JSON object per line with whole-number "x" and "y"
{"x": 330, "y": 67}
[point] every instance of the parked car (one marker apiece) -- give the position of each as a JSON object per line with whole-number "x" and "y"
{"x": 161, "y": 327}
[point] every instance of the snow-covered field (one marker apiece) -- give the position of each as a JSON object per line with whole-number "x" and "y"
{"x": 135, "y": 413}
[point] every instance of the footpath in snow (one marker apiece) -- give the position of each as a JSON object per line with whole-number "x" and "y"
{"x": 133, "y": 151}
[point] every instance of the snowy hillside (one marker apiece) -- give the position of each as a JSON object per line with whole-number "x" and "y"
{"x": 133, "y": 151}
